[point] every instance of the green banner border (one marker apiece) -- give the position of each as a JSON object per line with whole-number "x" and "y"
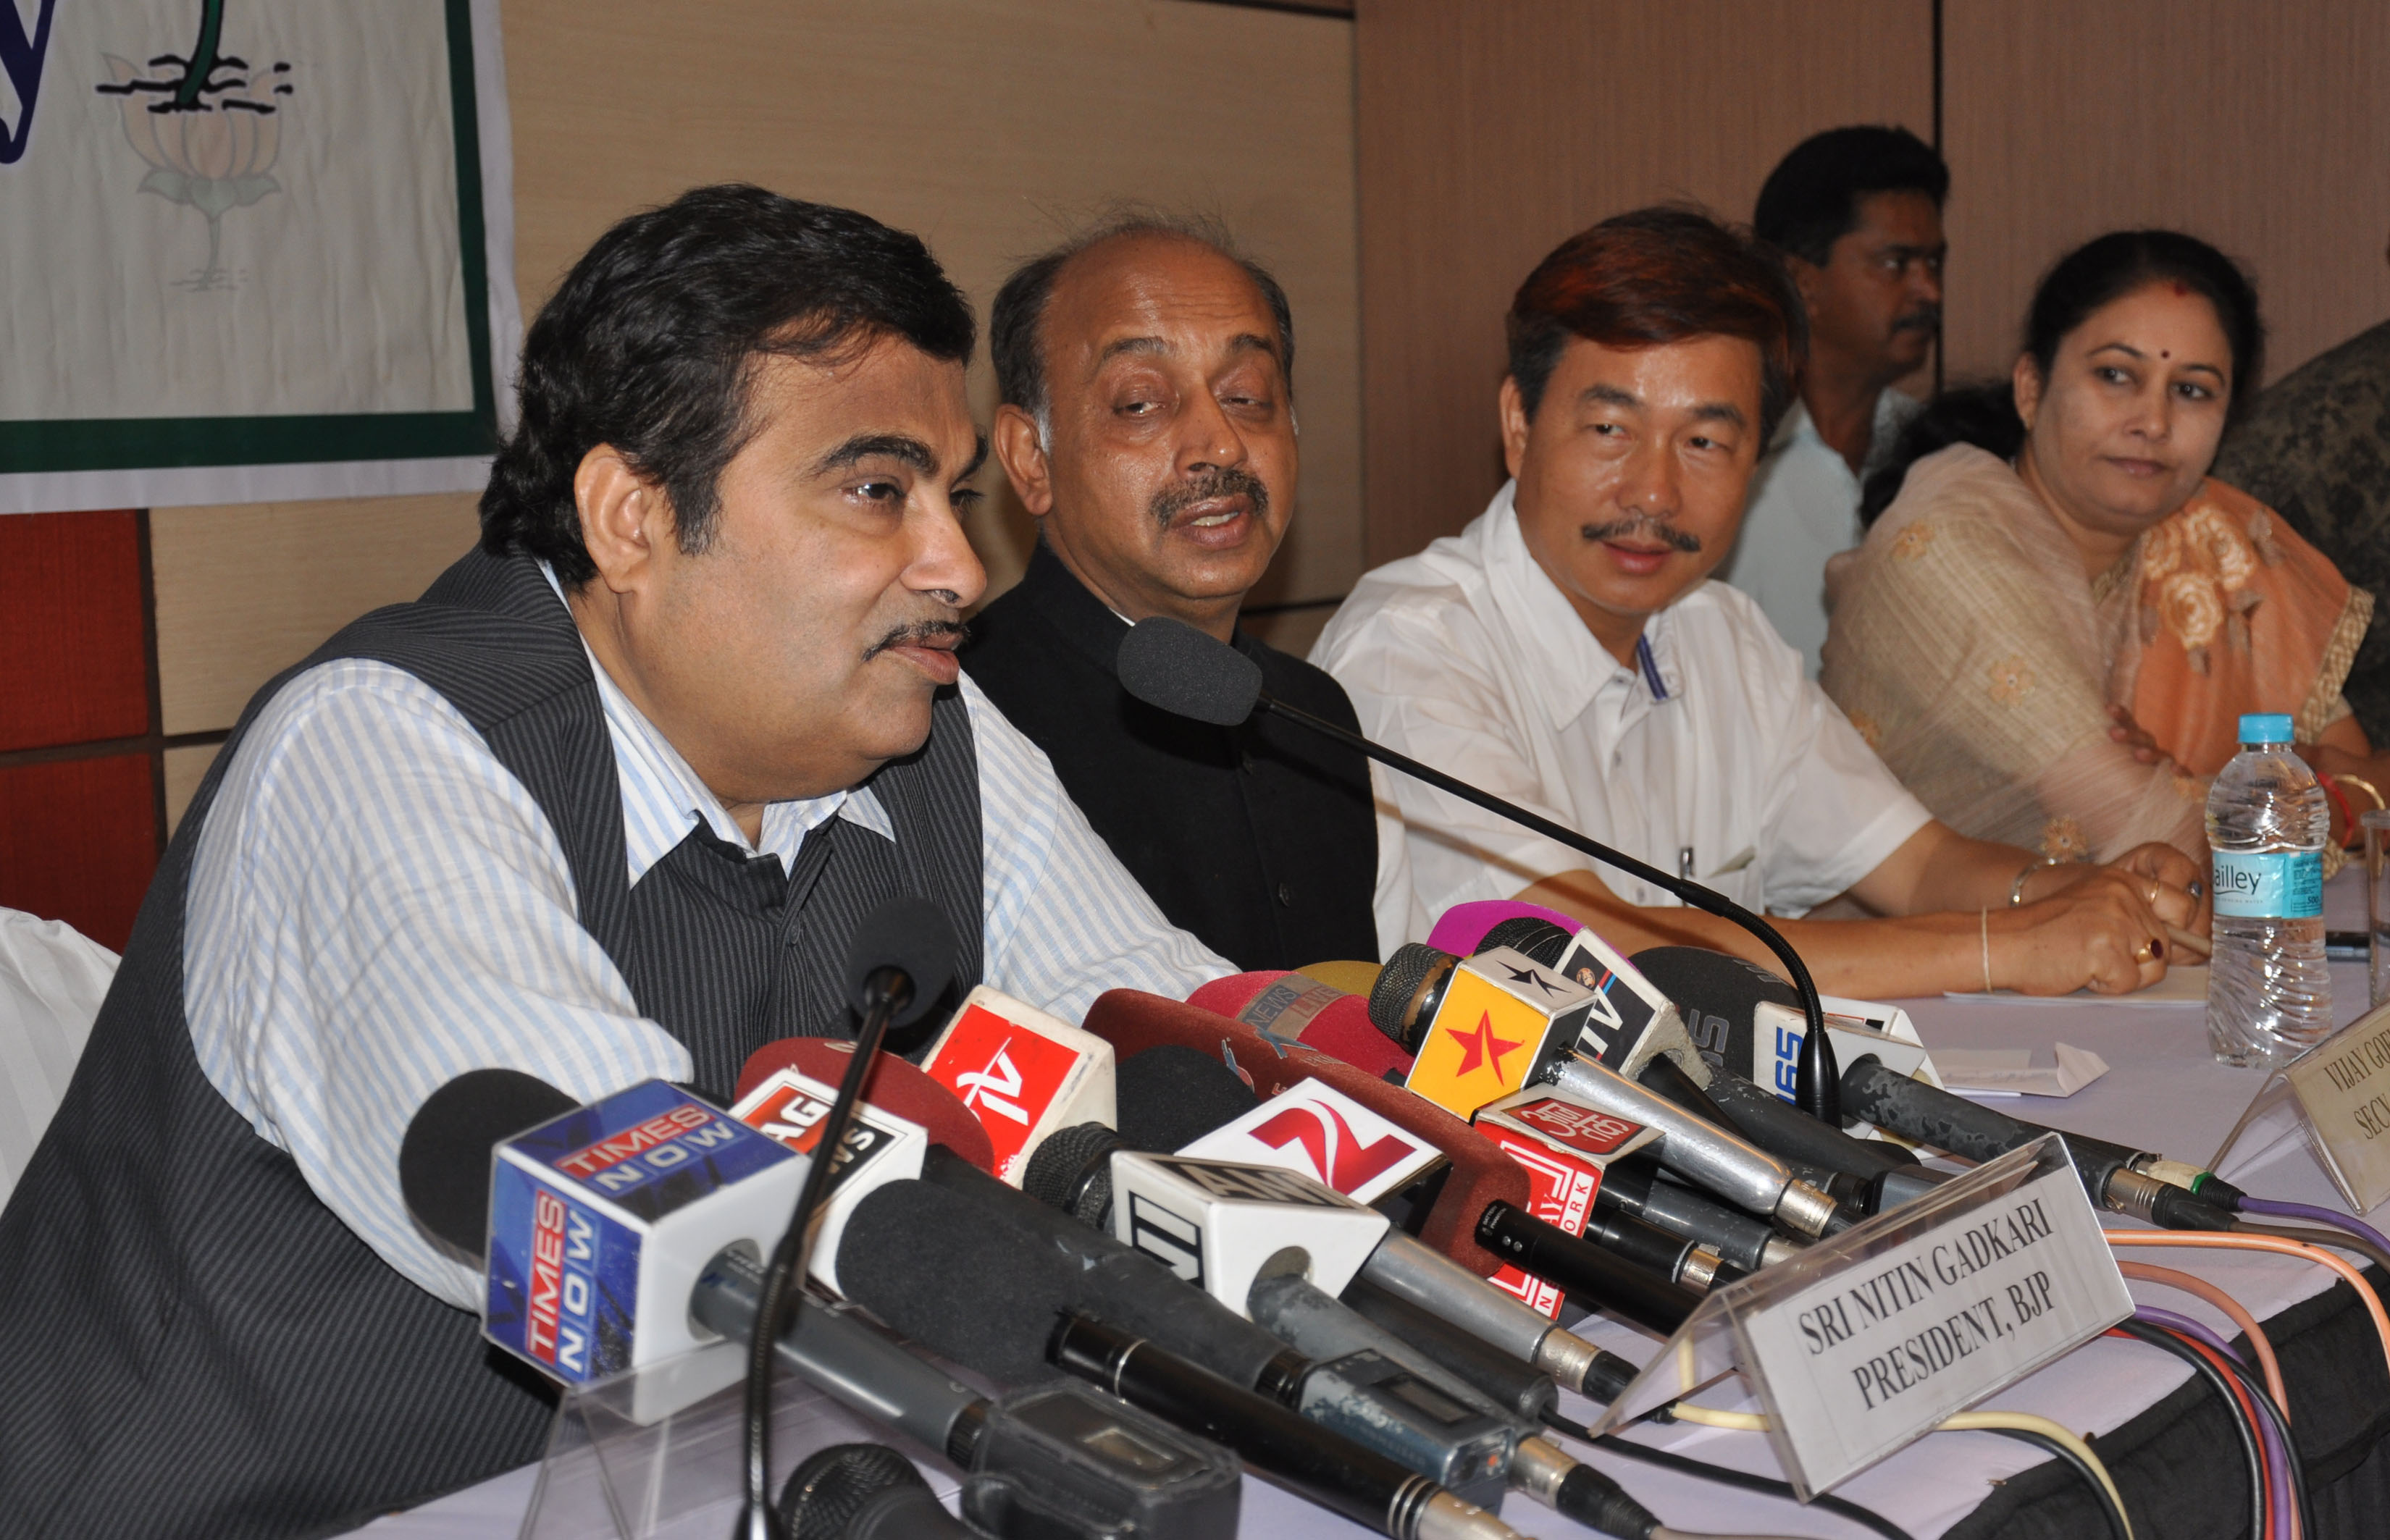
{"x": 157, "y": 444}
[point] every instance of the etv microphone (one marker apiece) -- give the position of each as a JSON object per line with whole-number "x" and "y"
{"x": 1013, "y": 1295}
{"x": 1171, "y": 665}
{"x": 1036, "y": 1452}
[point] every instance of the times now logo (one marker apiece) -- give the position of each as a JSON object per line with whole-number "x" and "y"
{"x": 666, "y": 1140}
{"x": 1317, "y": 1131}
{"x": 563, "y": 1250}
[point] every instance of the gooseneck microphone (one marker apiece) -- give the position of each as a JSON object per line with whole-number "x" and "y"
{"x": 1171, "y": 665}
{"x": 862, "y": 1492}
{"x": 898, "y": 963}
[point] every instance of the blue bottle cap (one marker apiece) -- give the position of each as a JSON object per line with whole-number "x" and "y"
{"x": 2266, "y": 727}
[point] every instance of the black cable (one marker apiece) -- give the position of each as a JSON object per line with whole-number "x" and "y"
{"x": 2279, "y": 1416}
{"x": 1723, "y": 1477}
{"x": 2117, "y": 1528}
{"x": 2253, "y": 1452}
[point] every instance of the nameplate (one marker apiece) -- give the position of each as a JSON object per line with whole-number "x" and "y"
{"x": 2342, "y": 1087}
{"x": 1873, "y": 1337}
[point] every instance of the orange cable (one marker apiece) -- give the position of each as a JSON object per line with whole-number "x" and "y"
{"x": 2191, "y": 1283}
{"x": 2210, "y": 1240}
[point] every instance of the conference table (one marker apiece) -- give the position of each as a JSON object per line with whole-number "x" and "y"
{"x": 2164, "y": 1438}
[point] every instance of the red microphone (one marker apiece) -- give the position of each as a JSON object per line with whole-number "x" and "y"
{"x": 1295, "y": 1008}
{"x": 1132, "y": 1021}
{"x": 896, "y": 1087}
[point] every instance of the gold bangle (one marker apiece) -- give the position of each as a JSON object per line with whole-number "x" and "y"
{"x": 2367, "y": 787}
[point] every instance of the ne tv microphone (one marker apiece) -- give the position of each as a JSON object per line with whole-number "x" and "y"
{"x": 1171, "y": 665}
{"x": 979, "y": 1278}
{"x": 1038, "y": 1453}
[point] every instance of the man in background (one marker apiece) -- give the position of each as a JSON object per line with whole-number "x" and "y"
{"x": 1146, "y": 375}
{"x": 1858, "y": 214}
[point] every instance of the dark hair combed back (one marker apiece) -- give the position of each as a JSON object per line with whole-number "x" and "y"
{"x": 2105, "y": 270}
{"x": 1020, "y": 308}
{"x": 2088, "y": 278}
{"x": 1811, "y": 199}
{"x": 650, "y": 344}
{"x": 1656, "y": 275}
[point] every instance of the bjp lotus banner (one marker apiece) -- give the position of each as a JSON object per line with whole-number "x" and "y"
{"x": 251, "y": 249}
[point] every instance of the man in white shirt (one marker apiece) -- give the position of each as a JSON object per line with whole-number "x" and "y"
{"x": 1567, "y": 652}
{"x": 1856, "y": 214}
{"x": 606, "y": 804}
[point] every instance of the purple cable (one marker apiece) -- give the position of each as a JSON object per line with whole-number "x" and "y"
{"x": 2315, "y": 1215}
{"x": 2278, "y": 1464}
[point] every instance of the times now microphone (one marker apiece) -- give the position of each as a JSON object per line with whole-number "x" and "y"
{"x": 1051, "y": 1451}
{"x": 1171, "y": 665}
{"x": 1022, "y": 1074}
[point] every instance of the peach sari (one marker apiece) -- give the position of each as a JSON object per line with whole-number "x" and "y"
{"x": 1968, "y": 648}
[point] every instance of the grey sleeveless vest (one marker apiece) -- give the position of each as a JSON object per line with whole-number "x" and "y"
{"x": 190, "y": 1343}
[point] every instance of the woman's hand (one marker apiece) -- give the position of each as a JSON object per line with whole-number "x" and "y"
{"x": 2102, "y": 930}
{"x": 2137, "y": 738}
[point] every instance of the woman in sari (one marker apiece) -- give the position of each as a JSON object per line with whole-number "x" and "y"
{"x": 2052, "y": 631}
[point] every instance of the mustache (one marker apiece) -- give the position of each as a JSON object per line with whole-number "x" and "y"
{"x": 918, "y": 632}
{"x": 1218, "y": 480}
{"x": 1644, "y": 524}
{"x": 1923, "y": 319}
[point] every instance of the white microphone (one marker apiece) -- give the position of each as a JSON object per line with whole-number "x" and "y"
{"x": 1022, "y": 1074}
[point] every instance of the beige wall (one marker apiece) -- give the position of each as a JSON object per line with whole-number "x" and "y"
{"x": 1489, "y": 132}
{"x": 2263, "y": 128}
{"x": 988, "y": 126}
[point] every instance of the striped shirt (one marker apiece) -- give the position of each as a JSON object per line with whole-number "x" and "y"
{"x": 377, "y": 905}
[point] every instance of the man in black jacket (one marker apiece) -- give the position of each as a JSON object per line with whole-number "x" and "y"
{"x": 1144, "y": 371}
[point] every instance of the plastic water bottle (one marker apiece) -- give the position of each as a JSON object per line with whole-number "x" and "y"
{"x": 2268, "y": 993}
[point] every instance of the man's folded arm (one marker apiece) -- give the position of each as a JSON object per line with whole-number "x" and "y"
{"x": 377, "y": 905}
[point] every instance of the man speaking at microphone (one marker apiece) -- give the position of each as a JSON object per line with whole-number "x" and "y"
{"x": 606, "y": 804}
{"x": 1566, "y": 651}
{"x": 1146, "y": 371}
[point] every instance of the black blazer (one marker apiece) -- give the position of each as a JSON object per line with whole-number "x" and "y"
{"x": 1258, "y": 839}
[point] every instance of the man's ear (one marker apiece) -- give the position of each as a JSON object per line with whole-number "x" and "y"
{"x": 624, "y": 516}
{"x": 1806, "y": 275}
{"x": 1512, "y": 407}
{"x": 2024, "y": 382}
{"x": 1020, "y": 448}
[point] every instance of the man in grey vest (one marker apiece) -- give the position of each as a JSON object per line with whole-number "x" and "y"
{"x": 605, "y": 804}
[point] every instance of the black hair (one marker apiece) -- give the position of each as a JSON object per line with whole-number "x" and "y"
{"x": 2094, "y": 275}
{"x": 651, "y": 341}
{"x": 1811, "y": 199}
{"x": 1020, "y": 308}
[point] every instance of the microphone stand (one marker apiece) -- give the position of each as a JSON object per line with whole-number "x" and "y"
{"x": 1816, "y": 1089}
{"x": 888, "y": 990}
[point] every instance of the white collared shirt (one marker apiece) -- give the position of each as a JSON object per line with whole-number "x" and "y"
{"x": 1713, "y": 756}
{"x": 1804, "y": 507}
{"x": 377, "y": 905}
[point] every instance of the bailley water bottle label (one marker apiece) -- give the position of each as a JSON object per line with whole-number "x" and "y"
{"x": 2274, "y": 884}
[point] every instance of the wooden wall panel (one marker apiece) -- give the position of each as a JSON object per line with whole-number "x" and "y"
{"x": 78, "y": 842}
{"x": 2263, "y": 128}
{"x": 988, "y": 126}
{"x": 184, "y": 768}
{"x": 1489, "y": 132}
{"x": 244, "y": 591}
{"x": 72, "y": 664}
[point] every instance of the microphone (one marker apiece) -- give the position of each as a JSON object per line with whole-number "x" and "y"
{"x": 1169, "y": 664}
{"x": 1063, "y": 1451}
{"x": 1022, "y": 1074}
{"x": 862, "y": 1492}
{"x": 898, "y": 1088}
{"x": 981, "y": 1274}
{"x": 1295, "y": 1008}
{"x": 1630, "y": 1190}
{"x": 1932, "y": 1116}
{"x": 1478, "y": 1028}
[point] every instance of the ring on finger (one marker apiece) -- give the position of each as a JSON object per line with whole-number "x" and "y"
{"x": 2150, "y": 951}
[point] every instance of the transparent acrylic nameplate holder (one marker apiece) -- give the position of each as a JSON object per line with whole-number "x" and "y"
{"x": 1715, "y": 1340}
{"x": 2278, "y": 1112}
{"x": 626, "y": 1460}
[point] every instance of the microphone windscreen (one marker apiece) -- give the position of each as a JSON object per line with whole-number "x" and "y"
{"x": 1538, "y": 939}
{"x": 826, "y": 1491}
{"x": 1713, "y": 983}
{"x": 443, "y": 1160}
{"x": 896, "y": 1086}
{"x": 1134, "y": 1021}
{"x": 1461, "y": 929}
{"x": 1341, "y": 1026}
{"x": 1170, "y": 1096}
{"x": 1170, "y": 664}
{"x": 909, "y": 934}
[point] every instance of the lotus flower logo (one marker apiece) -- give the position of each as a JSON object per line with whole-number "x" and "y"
{"x": 209, "y": 126}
